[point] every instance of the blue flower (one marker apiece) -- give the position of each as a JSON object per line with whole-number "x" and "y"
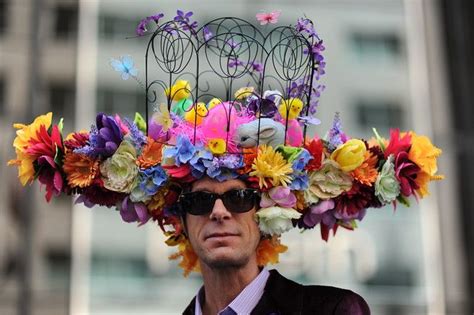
{"x": 136, "y": 136}
{"x": 301, "y": 160}
{"x": 299, "y": 181}
{"x": 197, "y": 162}
{"x": 149, "y": 181}
{"x": 185, "y": 150}
{"x": 335, "y": 133}
{"x": 124, "y": 66}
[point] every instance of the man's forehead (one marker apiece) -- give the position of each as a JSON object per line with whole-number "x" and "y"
{"x": 213, "y": 185}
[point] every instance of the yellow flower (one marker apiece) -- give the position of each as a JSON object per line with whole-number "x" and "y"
{"x": 26, "y": 171}
{"x": 291, "y": 107}
{"x": 424, "y": 153}
{"x": 181, "y": 89}
{"x": 268, "y": 251}
{"x": 349, "y": 155}
{"x": 162, "y": 117}
{"x": 270, "y": 164}
{"x": 27, "y": 132}
{"x": 217, "y": 146}
{"x": 244, "y": 92}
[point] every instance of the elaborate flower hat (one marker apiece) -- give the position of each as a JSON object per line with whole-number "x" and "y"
{"x": 230, "y": 100}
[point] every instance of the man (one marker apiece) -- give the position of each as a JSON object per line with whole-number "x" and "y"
{"x": 225, "y": 243}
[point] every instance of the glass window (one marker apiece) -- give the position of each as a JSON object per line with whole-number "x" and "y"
{"x": 376, "y": 47}
{"x": 380, "y": 114}
{"x": 111, "y": 101}
{"x": 2, "y": 96}
{"x": 66, "y": 21}
{"x": 113, "y": 27}
{"x": 58, "y": 264}
{"x": 62, "y": 100}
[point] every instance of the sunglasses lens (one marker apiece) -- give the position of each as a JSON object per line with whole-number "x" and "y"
{"x": 197, "y": 203}
{"x": 239, "y": 200}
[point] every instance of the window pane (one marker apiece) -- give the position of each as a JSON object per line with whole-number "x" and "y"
{"x": 65, "y": 25}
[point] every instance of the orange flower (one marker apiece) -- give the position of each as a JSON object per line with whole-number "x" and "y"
{"x": 189, "y": 260}
{"x": 300, "y": 201}
{"x": 268, "y": 251}
{"x": 366, "y": 174}
{"x": 80, "y": 169}
{"x": 249, "y": 154}
{"x": 157, "y": 202}
{"x": 151, "y": 154}
{"x": 422, "y": 180}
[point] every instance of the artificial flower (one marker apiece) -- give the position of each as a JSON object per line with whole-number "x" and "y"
{"x": 397, "y": 143}
{"x": 75, "y": 140}
{"x": 276, "y": 220}
{"x": 315, "y": 213}
{"x": 26, "y": 171}
{"x": 80, "y": 169}
{"x": 316, "y": 148}
{"x": 280, "y": 196}
{"x": 367, "y": 173}
{"x": 151, "y": 154}
{"x": 189, "y": 260}
{"x": 265, "y": 18}
{"x": 406, "y": 172}
{"x": 349, "y": 155}
{"x": 180, "y": 90}
{"x": 119, "y": 172}
{"x": 424, "y": 154}
{"x": 387, "y": 187}
{"x": 217, "y": 146}
{"x": 268, "y": 251}
{"x": 336, "y": 135}
{"x": 244, "y": 92}
{"x": 223, "y": 167}
{"x": 328, "y": 182}
{"x": 134, "y": 211}
{"x": 149, "y": 181}
{"x": 182, "y": 152}
{"x": 104, "y": 138}
{"x": 124, "y": 65}
{"x": 422, "y": 180}
{"x": 158, "y": 201}
{"x": 349, "y": 204}
{"x": 25, "y": 133}
{"x": 271, "y": 165}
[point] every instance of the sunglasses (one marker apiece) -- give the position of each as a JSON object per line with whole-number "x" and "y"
{"x": 235, "y": 200}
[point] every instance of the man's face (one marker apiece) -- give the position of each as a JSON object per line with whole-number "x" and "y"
{"x": 222, "y": 238}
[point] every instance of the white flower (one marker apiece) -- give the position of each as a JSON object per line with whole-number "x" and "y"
{"x": 387, "y": 187}
{"x": 276, "y": 220}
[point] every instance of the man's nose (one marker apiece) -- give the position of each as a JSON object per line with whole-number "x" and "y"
{"x": 219, "y": 211}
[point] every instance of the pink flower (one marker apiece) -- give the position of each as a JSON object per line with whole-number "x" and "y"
{"x": 281, "y": 196}
{"x": 265, "y": 18}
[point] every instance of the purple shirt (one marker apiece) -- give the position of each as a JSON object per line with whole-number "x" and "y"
{"x": 245, "y": 302}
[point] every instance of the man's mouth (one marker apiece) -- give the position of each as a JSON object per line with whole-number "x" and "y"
{"x": 220, "y": 235}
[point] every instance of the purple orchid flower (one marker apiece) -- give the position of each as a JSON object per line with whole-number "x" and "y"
{"x": 134, "y": 212}
{"x": 321, "y": 212}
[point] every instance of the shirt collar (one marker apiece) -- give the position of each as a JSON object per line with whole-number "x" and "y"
{"x": 247, "y": 299}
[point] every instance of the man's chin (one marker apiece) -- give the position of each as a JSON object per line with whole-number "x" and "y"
{"x": 224, "y": 258}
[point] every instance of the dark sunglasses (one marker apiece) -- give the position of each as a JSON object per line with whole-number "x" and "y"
{"x": 202, "y": 202}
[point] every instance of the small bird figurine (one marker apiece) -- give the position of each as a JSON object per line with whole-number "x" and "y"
{"x": 291, "y": 108}
{"x": 196, "y": 114}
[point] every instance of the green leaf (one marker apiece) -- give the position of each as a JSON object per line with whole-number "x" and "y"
{"x": 61, "y": 125}
{"x": 379, "y": 139}
{"x": 140, "y": 122}
{"x": 403, "y": 200}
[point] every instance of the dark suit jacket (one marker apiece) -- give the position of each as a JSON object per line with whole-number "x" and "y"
{"x": 283, "y": 296}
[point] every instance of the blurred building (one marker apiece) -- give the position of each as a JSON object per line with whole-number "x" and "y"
{"x": 380, "y": 62}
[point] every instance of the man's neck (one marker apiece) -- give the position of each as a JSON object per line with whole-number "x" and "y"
{"x": 223, "y": 285}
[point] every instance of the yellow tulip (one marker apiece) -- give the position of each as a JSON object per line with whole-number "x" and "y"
{"x": 349, "y": 155}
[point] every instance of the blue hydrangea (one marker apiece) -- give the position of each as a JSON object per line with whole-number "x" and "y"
{"x": 301, "y": 160}
{"x": 197, "y": 162}
{"x": 299, "y": 181}
{"x": 149, "y": 181}
{"x": 182, "y": 152}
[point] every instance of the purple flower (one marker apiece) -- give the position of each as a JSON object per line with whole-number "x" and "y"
{"x": 336, "y": 135}
{"x": 232, "y": 44}
{"x": 104, "y": 138}
{"x": 135, "y": 135}
{"x": 223, "y": 167}
{"x": 281, "y": 196}
{"x": 234, "y": 62}
{"x": 207, "y": 34}
{"x": 264, "y": 106}
{"x": 256, "y": 66}
{"x": 183, "y": 20}
{"x": 141, "y": 27}
{"x": 322, "y": 211}
{"x": 134, "y": 212}
{"x": 197, "y": 162}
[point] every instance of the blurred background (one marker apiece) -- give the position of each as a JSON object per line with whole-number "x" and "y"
{"x": 390, "y": 63}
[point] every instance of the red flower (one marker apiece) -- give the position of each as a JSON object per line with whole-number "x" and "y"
{"x": 76, "y": 140}
{"x": 406, "y": 172}
{"x": 47, "y": 149}
{"x": 183, "y": 172}
{"x": 96, "y": 194}
{"x": 397, "y": 144}
{"x": 315, "y": 148}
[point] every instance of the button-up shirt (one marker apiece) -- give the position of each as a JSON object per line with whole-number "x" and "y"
{"x": 245, "y": 302}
